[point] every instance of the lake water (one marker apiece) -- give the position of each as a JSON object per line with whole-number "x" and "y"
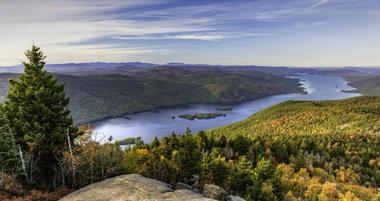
{"x": 147, "y": 125}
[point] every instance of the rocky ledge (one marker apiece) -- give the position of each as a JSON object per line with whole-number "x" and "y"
{"x": 132, "y": 187}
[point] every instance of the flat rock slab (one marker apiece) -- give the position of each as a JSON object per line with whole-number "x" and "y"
{"x": 132, "y": 187}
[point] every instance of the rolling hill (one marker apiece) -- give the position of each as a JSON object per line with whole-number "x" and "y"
{"x": 367, "y": 85}
{"x": 95, "y": 97}
{"x": 348, "y": 116}
{"x": 323, "y": 150}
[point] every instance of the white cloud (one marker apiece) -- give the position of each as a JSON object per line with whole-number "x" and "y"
{"x": 319, "y": 3}
{"x": 89, "y": 30}
{"x": 56, "y": 23}
{"x": 310, "y": 24}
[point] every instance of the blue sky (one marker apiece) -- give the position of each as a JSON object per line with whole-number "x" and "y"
{"x": 261, "y": 32}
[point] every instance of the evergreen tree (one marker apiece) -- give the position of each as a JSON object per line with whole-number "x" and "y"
{"x": 36, "y": 111}
{"x": 188, "y": 158}
{"x": 203, "y": 141}
{"x": 266, "y": 183}
{"x": 9, "y": 152}
{"x": 188, "y": 131}
{"x": 241, "y": 174}
{"x": 173, "y": 142}
{"x": 155, "y": 143}
{"x": 241, "y": 145}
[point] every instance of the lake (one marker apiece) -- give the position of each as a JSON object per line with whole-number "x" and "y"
{"x": 160, "y": 123}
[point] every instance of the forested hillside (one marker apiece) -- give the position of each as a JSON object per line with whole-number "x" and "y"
{"x": 349, "y": 116}
{"x": 368, "y": 85}
{"x": 95, "y": 97}
{"x": 296, "y": 150}
{"x": 325, "y": 150}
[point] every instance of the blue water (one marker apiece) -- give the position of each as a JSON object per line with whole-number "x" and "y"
{"x": 147, "y": 125}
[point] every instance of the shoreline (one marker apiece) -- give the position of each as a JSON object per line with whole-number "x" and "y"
{"x": 299, "y": 90}
{"x": 157, "y": 127}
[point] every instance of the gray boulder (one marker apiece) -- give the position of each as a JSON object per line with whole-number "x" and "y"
{"x": 132, "y": 187}
{"x": 215, "y": 192}
{"x": 236, "y": 198}
{"x": 181, "y": 185}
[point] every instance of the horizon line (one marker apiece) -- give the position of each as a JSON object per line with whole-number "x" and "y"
{"x": 197, "y": 64}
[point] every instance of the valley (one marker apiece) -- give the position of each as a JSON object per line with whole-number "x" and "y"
{"x": 142, "y": 102}
{"x": 179, "y": 100}
{"x": 257, "y": 135}
{"x": 101, "y": 96}
{"x": 160, "y": 123}
{"x": 366, "y": 84}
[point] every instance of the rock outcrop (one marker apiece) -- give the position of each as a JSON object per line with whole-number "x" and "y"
{"x": 132, "y": 187}
{"x": 181, "y": 185}
{"x": 236, "y": 198}
{"x": 215, "y": 192}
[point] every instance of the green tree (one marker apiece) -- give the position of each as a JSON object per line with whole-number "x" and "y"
{"x": 215, "y": 170}
{"x": 173, "y": 142}
{"x": 241, "y": 144}
{"x": 9, "y": 152}
{"x": 36, "y": 111}
{"x": 155, "y": 143}
{"x": 241, "y": 175}
{"x": 266, "y": 183}
{"x": 222, "y": 142}
{"x": 188, "y": 158}
{"x": 188, "y": 131}
{"x": 203, "y": 141}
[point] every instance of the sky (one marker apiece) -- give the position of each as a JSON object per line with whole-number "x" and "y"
{"x": 304, "y": 33}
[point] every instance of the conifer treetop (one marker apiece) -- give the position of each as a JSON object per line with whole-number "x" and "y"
{"x": 36, "y": 59}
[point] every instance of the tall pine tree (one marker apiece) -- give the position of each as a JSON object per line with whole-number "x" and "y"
{"x": 36, "y": 111}
{"x": 9, "y": 152}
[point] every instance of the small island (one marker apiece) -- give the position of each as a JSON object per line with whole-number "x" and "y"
{"x": 224, "y": 108}
{"x": 349, "y": 90}
{"x": 131, "y": 141}
{"x": 201, "y": 116}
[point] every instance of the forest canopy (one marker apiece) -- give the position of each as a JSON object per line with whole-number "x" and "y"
{"x": 296, "y": 150}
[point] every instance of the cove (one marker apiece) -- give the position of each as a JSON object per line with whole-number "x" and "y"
{"x": 160, "y": 123}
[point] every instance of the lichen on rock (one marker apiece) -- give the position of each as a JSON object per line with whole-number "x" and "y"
{"x": 132, "y": 187}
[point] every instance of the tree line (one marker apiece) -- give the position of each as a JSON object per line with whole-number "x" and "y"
{"x": 41, "y": 149}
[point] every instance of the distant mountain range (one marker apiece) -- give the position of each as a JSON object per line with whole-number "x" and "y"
{"x": 99, "y": 96}
{"x": 127, "y": 67}
{"x": 73, "y": 67}
{"x": 119, "y": 88}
